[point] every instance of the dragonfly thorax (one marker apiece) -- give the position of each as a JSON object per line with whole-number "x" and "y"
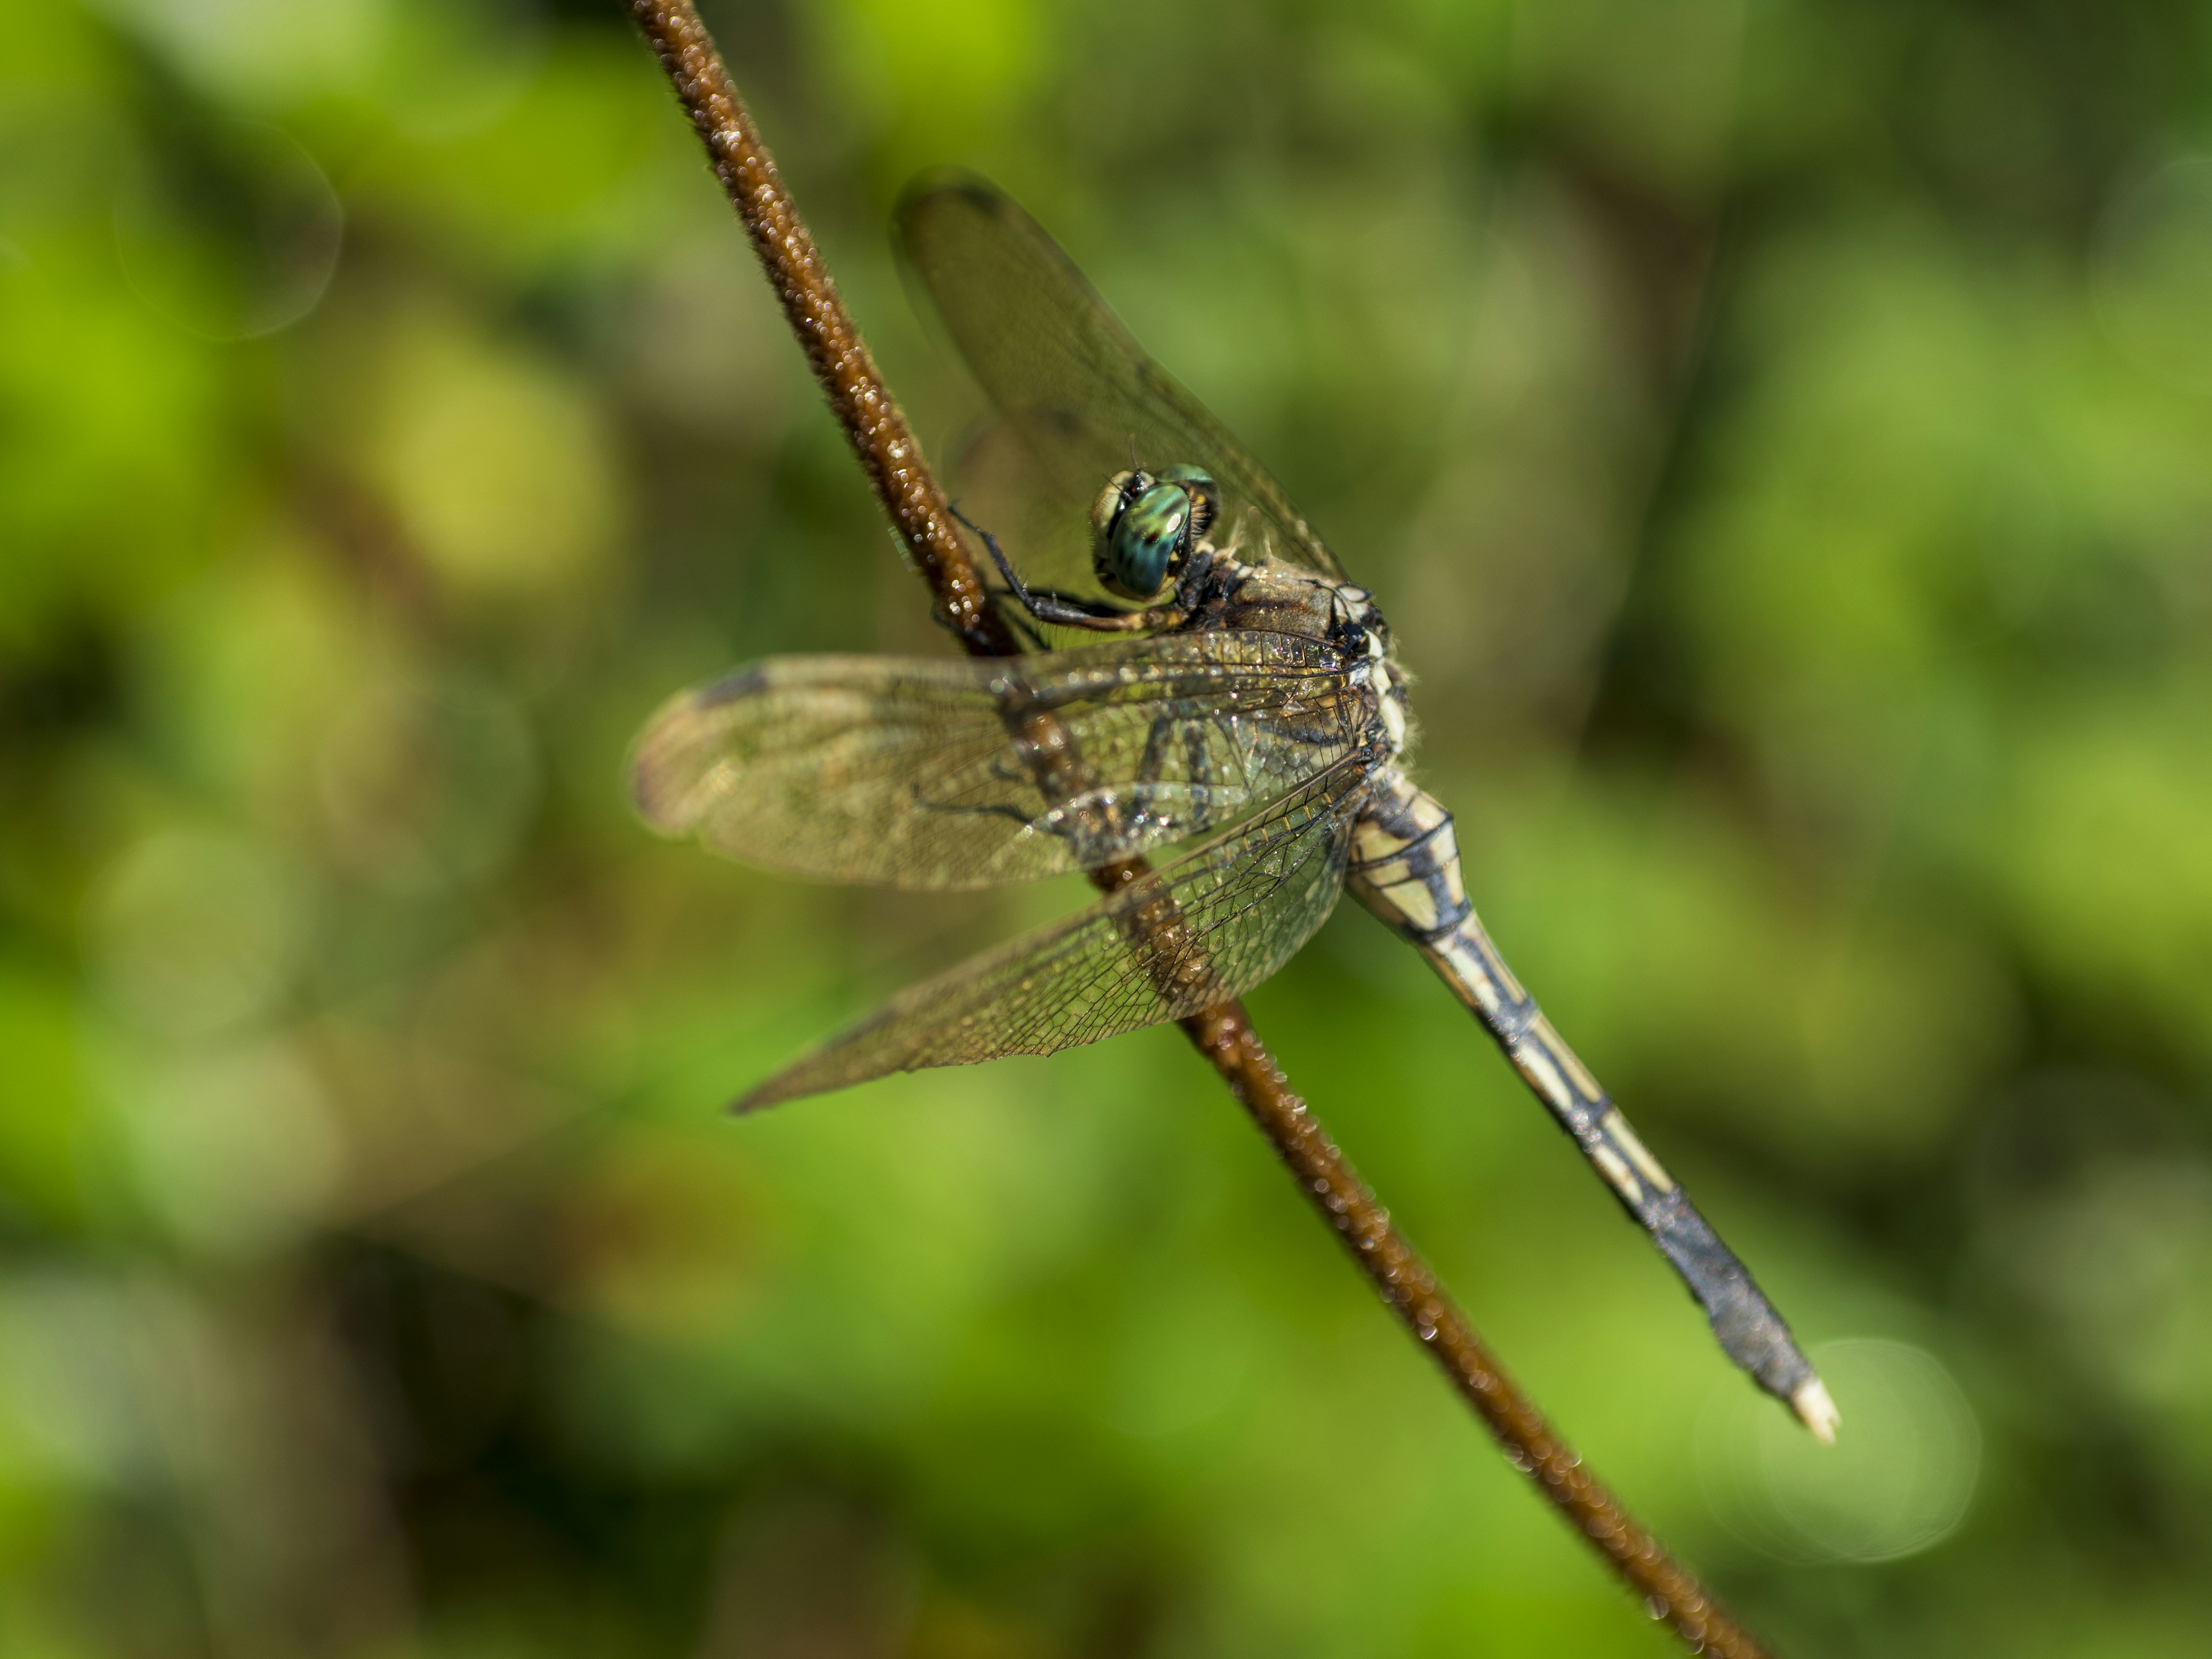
{"x": 1358, "y": 631}
{"x": 1143, "y": 525}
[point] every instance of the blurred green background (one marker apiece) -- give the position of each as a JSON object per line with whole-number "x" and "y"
{"x": 1780, "y": 433}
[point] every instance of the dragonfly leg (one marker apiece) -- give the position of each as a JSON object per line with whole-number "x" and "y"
{"x": 1064, "y": 610}
{"x": 1405, "y": 867}
{"x": 1029, "y": 631}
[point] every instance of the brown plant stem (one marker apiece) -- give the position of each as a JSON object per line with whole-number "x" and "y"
{"x": 910, "y": 495}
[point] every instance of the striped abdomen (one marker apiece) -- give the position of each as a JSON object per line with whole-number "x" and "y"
{"x": 1405, "y": 867}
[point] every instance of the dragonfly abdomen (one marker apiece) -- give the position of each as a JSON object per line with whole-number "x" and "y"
{"x": 1405, "y": 861}
{"x": 1405, "y": 867}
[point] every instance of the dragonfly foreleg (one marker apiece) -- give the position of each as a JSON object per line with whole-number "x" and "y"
{"x": 1066, "y": 609}
{"x": 1405, "y": 867}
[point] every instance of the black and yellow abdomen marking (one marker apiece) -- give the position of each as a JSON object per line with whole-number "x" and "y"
{"x": 1405, "y": 867}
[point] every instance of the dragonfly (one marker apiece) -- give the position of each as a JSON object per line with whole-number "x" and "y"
{"x": 1210, "y": 711}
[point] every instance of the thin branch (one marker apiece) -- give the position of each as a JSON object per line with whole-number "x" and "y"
{"x": 910, "y": 495}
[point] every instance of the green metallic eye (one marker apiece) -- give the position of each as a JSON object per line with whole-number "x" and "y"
{"x": 1205, "y": 498}
{"x": 1146, "y": 523}
{"x": 1148, "y": 539}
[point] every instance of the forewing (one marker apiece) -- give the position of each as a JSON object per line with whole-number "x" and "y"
{"x": 1208, "y": 927}
{"x": 1075, "y": 389}
{"x": 933, "y": 773}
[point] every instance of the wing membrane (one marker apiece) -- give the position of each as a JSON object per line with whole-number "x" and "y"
{"x": 1209, "y": 926}
{"x": 1076, "y": 389}
{"x": 921, "y": 772}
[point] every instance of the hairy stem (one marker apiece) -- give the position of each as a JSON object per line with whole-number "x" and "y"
{"x": 917, "y": 505}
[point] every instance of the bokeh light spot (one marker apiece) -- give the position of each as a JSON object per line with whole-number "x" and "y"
{"x": 193, "y": 933}
{"x": 232, "y": 234}
{"x": 1897, "y": 1480}
{"x": 495, "y": 464}
{"x": 234, "y": 1151}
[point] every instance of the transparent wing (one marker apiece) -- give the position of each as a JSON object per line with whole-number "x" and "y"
{"x": 1209, "y": 926}
{"x": 1080, "y": 398}
{"x": 921, "y": 773}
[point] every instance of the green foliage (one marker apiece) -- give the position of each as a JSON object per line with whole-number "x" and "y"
{"x": 1778, "y": 433}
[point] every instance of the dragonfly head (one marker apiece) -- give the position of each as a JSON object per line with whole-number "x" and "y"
{"x": 1144, "y": 525}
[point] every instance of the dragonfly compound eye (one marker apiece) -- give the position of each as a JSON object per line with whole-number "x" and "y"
{"x": 1147, "y": 525}
{"x": 1205, "y": 498}
{"x": 1121, "y": 490}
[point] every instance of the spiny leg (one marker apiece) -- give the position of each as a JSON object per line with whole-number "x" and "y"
{"x": 1405, "y": 868}
{"x": 1064, "y": 610}
{"x": 1031, "y": 631}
